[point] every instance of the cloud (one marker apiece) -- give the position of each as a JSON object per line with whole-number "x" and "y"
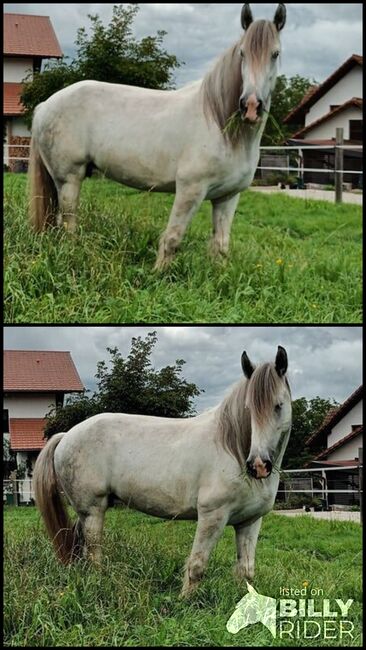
{"x": 324, "y": 361}
{"x": 317, "y": 38}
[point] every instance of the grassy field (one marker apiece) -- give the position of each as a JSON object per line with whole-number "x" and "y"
{"x": 133, "y": 600}
{"x": 291, "y": 261}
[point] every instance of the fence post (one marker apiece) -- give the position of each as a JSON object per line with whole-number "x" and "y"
{"x": 338, "y": 166}
{"x": 13, "y": 478}
{"x": 360, "y": 469}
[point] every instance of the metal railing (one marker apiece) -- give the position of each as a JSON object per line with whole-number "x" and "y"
{"x": 338, "y": 170}
{"x": 324, "y": 490}
{"x": 22, "y": 489}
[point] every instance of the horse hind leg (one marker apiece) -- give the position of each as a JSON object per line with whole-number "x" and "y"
{"x": 68, "y": 199}
{"x": 92, "y": 523}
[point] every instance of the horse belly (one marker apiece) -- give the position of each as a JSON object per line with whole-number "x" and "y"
{"x": 166, "y": 499}
{"x": 155, "y": 173}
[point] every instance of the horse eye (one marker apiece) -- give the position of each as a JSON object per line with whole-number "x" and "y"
{"x": 241, "y": 53}
{"x": 275, "y": 55}
{"x": 278, "y": 408}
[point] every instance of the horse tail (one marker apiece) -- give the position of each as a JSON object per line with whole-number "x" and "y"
{"x": 43, "y": 200}
{"x": 49, "y": 502}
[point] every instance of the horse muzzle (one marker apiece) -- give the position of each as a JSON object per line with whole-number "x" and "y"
{"x": 251, "y": 109}
{"x": 259, "y": 468}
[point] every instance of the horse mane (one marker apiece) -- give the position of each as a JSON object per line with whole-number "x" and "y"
{"x": 223, "y": 84}
{"x": 255, "y": 397}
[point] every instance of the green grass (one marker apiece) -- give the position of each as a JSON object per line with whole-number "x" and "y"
{"x": 291, "y": 261}
{"x": 133, "y": 599}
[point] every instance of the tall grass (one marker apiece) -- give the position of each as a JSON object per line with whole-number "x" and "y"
{"x": 291, "y": 260}
{"x": 133, "y": 599}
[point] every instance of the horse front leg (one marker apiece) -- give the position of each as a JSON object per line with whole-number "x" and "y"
{"x": 246, "y": 542}
{"x": 209, "y": 528}
{"x": 223, "y": 211}
{"x": 188, "y": 198}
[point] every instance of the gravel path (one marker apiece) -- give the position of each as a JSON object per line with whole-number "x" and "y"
{"x": 319, "y": 195}
{"x": 341, "y": 515}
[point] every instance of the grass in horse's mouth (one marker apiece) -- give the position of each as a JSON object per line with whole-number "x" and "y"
{"x": 233, "y": 123}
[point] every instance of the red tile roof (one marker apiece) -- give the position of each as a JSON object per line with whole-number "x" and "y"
{"x": 311, "y": 141}
{"x": 355, "y": 432}
{"x": 12, "y": 105}
{"x": 355, "y": 101}
{"x": 27, "y": 35}
{"x": 27, "y": 433}
{"x": 333, "y": 463}
{"x": 29, "y": 370}
{"x": 336, "y": 414}
{"x": 317, "y": 92}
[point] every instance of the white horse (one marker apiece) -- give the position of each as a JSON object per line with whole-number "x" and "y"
{"x": 166, "y": 141}
{"x": 215, "y": 468}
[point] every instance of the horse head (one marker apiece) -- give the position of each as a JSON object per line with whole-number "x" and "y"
{"x": 268, "y": 399}
{"x": 260, "y": 53}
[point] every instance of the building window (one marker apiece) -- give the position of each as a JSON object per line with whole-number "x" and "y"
{"x": 5, "y": 421}
{"x": 355, "y": 130}
{"x": 59, "y": 400}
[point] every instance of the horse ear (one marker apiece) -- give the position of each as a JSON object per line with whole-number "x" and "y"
{"x": 280, "y": 17}
{"x": 246, "y": 17}
{"x": 281, "y": 362}
{"x": 247, "y": 365}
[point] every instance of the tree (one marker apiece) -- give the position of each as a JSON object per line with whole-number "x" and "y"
{"x": 307, "y": 416}
{"x": 9, "y": 457}
{"x": 130, "y": 385}
{"x": 76, "y": 409}
{"x": 110, "y": 53}
{"x": 287, "y": 94}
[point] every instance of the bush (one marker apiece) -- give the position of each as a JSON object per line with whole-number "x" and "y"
{"x": 298, "y": 501}
{"x": 280, "y": 177}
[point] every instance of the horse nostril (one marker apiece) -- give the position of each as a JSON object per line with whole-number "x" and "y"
{"x": 250, "y": 469}
{"x": 243, "y": 106}
{"x": 260, "y": 108}
{"x": 268, "y": 466}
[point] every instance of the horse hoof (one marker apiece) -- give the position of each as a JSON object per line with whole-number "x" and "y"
{"x": 162, "y": 263}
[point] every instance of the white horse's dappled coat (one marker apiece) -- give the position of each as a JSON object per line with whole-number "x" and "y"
{"x": 169, "y": 141}
{"x": 215, "y": 467}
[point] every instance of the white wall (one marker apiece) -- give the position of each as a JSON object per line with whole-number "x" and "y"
{"x": 348, "y": 451}
{"x": 327, "y": 129}
{"x": 16, "y": 69}
{"x": 5, "y": 148}
{"x": 344, "y": 426}
{"x": 29, "y": 406}
{"x": 349, "y": 86}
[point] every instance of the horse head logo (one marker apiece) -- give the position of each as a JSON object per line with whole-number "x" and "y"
{"x": 253, "y": 608}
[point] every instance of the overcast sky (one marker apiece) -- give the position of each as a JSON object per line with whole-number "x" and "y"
{"x": 324, "y": 361}
{"x": 315, "y": 41}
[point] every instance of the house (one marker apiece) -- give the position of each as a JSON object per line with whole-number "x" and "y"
{"x": 335, "y": 103}
{"x": 340, "y": 435}
{"x": 28, "y": 40}
{"x": 34, "y": 382}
